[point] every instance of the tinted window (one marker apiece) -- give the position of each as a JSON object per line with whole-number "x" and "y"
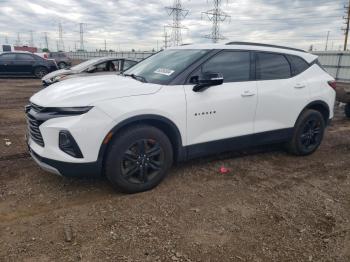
{"x": 299, "y": 64}
{"x": 235, "y": 66}
{"x": 7, "y": 57}
{"x": 24, "y": 57}
{"x": 6, "y": 48}
{"x": 272, "y": 66}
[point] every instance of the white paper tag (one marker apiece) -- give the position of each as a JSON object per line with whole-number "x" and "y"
{"x": 164, "y": 71}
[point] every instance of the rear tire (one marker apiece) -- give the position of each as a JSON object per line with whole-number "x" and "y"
{"x": 308, "y": 133}
{"x": 40, "y": 72}
{"x": 347, "y": 110}
{"x": 62, "y": 65}
{"x": 138, "y": 159}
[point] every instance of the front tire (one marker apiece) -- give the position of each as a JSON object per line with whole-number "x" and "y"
{"x": 138, "y": 159}
{"x": 40, "y": 72}
{"x": 308, "y": 133}
{"x": 347, "y": 110}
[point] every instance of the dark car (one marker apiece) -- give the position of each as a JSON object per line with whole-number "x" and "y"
{"x": 95, "y": 66}
{"x": 61, "y": 58}
{"x": 25, "y": 64}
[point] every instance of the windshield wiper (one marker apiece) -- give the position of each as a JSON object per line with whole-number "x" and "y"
{"x": 136, "y": 77}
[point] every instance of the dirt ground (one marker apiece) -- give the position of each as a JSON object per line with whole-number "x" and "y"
{"x": 271, "y": 206}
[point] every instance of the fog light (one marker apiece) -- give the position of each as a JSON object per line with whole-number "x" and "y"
{"x": 68, "y": 145}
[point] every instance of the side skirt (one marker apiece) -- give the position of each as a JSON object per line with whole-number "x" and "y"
{"x": 238, "y": 143}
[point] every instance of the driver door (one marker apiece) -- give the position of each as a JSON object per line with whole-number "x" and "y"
{"x": 224, "y": 111}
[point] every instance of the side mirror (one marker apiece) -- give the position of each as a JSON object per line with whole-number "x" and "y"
{"x": 206, "y": 80}
{"x": 91, "y": 69}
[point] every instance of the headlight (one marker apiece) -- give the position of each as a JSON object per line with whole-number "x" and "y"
{"x": 57, "y": 78}
{"x": 47, "y": 113}
{"x": 68, "y": 110}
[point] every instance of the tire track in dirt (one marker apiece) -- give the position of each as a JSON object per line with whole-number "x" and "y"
{"x": 15, "y": 156}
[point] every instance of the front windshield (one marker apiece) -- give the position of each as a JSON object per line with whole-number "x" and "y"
{"x": 86, "y": 64}
{"x": 164, "y": 66}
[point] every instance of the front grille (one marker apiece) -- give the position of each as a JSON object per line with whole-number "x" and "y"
{"x": 33, "y": 126}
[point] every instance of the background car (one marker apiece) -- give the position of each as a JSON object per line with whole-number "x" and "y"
{"x": 343, "y": 96}
{"x": 25, "y": 64}
{"x": 101, "y": 65}
{"x": 61, "y": 58}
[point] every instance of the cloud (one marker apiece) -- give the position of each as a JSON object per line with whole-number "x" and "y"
{"x": 139, "y": 24}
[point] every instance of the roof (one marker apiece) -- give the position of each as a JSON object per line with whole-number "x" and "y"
{"x": 252, "y": 46}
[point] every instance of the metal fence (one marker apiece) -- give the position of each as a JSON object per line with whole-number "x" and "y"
{"x": 336, "y": 63}
{"x": 137, "y": 56}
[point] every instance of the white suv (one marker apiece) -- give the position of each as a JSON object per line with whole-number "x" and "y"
{"x": 178, "y": 104}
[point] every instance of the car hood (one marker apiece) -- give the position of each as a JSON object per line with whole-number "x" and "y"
{"x": 84, "y": 91}
{"x": 57, "y": 73}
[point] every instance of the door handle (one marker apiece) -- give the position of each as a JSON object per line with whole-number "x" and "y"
{"x": 299, "y": 86}
{"x": 247, "y": 94}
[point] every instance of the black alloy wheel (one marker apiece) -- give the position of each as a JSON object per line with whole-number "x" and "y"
{"x": 142, "y": 161}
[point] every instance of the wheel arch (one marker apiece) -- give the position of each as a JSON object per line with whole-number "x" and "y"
{"x": 164, "y": 124}
{"x": 319, "y": 106}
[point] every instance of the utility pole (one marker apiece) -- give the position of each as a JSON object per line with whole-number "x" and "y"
{"x": 347, "y": 23}
{"x": 18, "y": 42}
{"x": 81, "y": 32}
{"x": 166, "y": 41}
{"x": 105, "y": 45}
{"x": 178, "y": 13}
{"x": 327, "y": 41}
{"x": 217, "y": 16}
{"x": 31, "y": 40}
{"x": 46, "y": 41}
{"x": 60, "y": 46}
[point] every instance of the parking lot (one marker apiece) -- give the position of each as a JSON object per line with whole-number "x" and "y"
{"x": 270, "y": 206}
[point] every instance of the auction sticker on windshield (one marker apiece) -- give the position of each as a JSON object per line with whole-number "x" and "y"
{"x": 164, "y": 71}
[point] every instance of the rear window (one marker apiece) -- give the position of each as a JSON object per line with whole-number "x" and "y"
{"x": 272, "y": 66}
{"x": 299, "y": 65}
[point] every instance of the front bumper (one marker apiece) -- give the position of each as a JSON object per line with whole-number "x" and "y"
{"x": 67, "y": 169}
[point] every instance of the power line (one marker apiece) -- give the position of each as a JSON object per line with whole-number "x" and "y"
{"x": 178, "y": 13}
{"x": 217, "y": 16}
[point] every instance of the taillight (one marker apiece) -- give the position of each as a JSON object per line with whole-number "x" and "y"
{"x": 332, "y": 84}
{"x": 46, "y": 56}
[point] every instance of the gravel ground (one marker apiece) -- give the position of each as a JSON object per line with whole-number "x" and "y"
{"x": 270, "y": 207}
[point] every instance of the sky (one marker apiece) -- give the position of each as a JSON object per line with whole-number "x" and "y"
{"x": 140, "y": 24}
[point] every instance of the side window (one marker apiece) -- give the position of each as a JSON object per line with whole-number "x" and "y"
{"x": 7, "y": 57}
{"x": 25, "y": 57}
{"x": 234, "y": 65}
{"x": 298, "y": 64}
{"x": 128, "y": 64}
{"x": 101, "y": 67}
{"x": 272, "y": 66}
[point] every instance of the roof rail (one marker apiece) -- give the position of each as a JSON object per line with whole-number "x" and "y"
{"x": 266, "y": 45}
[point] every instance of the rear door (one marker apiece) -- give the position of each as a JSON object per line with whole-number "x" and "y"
{"x": 282, "y": 94}
{"x": 6, "y": 63}
{"x": 24, "y": 63}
